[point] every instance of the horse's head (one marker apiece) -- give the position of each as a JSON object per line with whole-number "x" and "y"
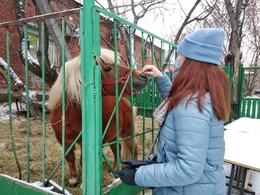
{"x": 106, "y": 61}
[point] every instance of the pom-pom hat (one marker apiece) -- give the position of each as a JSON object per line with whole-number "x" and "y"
{"x": 203, "y": 45}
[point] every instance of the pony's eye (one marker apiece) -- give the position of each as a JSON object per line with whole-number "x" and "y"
{"x": 107, "y": 69}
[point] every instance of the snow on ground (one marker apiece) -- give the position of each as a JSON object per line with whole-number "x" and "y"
{"x": 4, "y": 112}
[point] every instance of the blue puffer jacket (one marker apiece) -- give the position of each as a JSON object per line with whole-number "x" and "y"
{"x": 191, "y": 149}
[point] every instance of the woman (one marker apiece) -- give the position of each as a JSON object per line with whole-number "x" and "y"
{"x": 191, "y": 142}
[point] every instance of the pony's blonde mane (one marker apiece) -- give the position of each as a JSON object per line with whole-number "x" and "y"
{"x": 73, "y": 79}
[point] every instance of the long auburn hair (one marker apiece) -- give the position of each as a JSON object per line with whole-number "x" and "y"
{"x": 194, "y": 80}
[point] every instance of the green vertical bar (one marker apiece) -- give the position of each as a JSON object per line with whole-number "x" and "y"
{"x": 230, "y": 76}
{"x": 161, "y": 55}
{"x": 253, "y": 108}
{"x": 116, "y": 94}
{"x": 10, "y": 101}
{"x": 63, "y": 99}
{"x": 27, "y": 105}
{"x": 131, "y": 81}
{"x": 170, "y": 73}
{"x": 89, "y": 130}
{"x": 144, "y": 103}
{"x": 96, "y": 32}
{"x": 131, "y": 97}
{"x": 99, "y": 170}
{"x": 248, "y": 108}
{"x": 258, "y": 108}
{"x": 240, "y": 88}
{"x": 43, "y": 105}
{"x": 242, "y": 111}
{"x": 153, "y": 91}
{"x": 96, "y": 45}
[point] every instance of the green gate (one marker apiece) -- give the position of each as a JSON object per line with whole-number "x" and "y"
{"x": 248, "y": 99}
{"x": 161, "y": 54}
{"x": 152, "y": 49}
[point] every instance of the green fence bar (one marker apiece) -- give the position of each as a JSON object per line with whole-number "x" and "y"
{"x": 90, "y": 181}
{"x": 98, "y": 170}
{"x": 27, "y": 104}
{"x": 10, "y": 103}
{"x": 247, "y": 107}
{"x": 63, "y": 100}
{"x": 43, "y": 105}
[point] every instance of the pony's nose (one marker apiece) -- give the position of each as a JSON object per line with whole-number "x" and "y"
{"x": 143, "y": 76}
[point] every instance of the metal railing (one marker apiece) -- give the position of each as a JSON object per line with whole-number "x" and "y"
{"x": 162, "y": 52}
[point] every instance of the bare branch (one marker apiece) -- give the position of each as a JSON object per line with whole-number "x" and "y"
{"x": 16, "y": 84}
{"x": 185, "y": 22}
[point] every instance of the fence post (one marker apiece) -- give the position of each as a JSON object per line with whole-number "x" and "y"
{"x": 240, "y": 88}
{"x": 90, "y": 178}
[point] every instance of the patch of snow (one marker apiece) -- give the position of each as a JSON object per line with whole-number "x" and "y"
{"x": 31, "y": 60}
{"x": 38, "y": 185}
{"x": 16, "y": 79}
{"x": 4, "y": 112}
{"x": 253, "y": 96}
{"x": 2, "y": 145}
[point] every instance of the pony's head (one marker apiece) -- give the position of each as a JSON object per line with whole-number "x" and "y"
{"x": 108, "y": 67}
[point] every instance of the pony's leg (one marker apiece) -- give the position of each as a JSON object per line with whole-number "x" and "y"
{"x": 127, "y": 144}
{"x": 73, "y": 180}
{"x": 113, "y": 148}
{"x": 126, "y": 152}
{"x": 128, "y": 149}
{"x": 70, "y": 158}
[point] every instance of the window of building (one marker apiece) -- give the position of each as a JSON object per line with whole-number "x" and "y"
{"x": 33, "y": 39}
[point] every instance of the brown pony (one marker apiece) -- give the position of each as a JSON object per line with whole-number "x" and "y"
{"x": 73, "y": 115}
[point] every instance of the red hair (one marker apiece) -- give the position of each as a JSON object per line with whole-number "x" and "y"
{"x": 194, "y": 80}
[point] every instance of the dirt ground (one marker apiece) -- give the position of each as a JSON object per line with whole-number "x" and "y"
{"x": 53, "y": 150}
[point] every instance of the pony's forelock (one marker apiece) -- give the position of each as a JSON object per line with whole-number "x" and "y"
{"x": 106, "y": 57}
{"x": 73, "y": 79}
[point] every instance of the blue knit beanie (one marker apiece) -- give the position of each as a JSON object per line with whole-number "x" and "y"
{"x": 203, "y": 45}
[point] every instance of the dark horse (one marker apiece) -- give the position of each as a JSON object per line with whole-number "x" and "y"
{"x": 73, "y": 117}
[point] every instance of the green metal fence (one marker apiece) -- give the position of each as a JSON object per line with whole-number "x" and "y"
{"x": 96, "y": 162}
{"x": 229, "y": 71}
{"x": 249, "y": 105}
{"x": 146, "y": 101}
{"x": 95, "y": 158}
{"x": 25, "y": 160}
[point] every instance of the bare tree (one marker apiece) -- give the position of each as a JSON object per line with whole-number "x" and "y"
{"x": 188, "y": 20}
{"x": 34, "y": 65}
{"x": 138, "y": 11}
{"x": 231, "y": 16}
{"x": 251, "y": 42}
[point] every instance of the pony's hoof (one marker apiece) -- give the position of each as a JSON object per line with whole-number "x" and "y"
{"x": 73, "y": 185}
{"x": 73, "y": 182}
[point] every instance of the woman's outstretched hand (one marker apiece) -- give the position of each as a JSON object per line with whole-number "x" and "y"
{"x": 152, "y": 71}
